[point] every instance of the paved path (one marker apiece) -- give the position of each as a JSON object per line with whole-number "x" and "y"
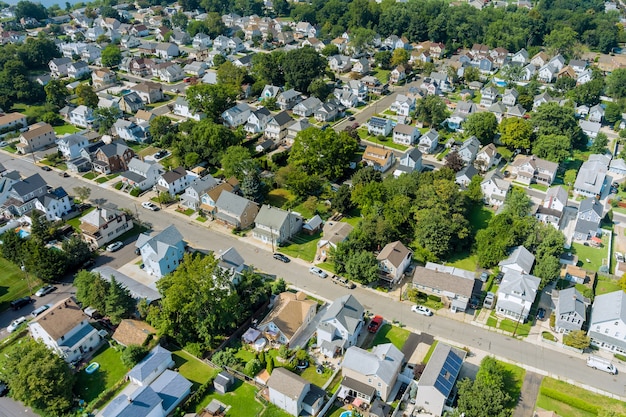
{"x": 528, "y": 397}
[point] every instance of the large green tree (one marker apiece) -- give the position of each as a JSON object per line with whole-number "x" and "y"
{"x": 487, "y": 395}
{"x": 555, "y": 148}
{"x": 213, "y": 100}
{"x": 431, "y": 110}
{"x": 86, "y": 96}
{"x": 616, "y": 83}
{"x": 516, "y": 132}
{"x": 325, "y": 153}
{"x": 301, "y": 66}
{"x": 111, "y": 56}
{"x": 483, "y": 125}
{"x": 56, "y": 93}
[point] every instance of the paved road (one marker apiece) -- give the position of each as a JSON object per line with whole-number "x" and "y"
{"x": 528, "y": 397}
{"x": 567, "y": 365}
{"x": 10, "y": 408}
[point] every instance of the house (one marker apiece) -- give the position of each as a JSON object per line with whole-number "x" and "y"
{"x": 550, "y": 211}
{"x": 378, "y": 158}
{"x": 161, "y": 253}
{"x": 530, "y": 169}
{"x": 54, "y": 204}
{"x": 379, "y": 126}
{"x": 201, "y": 40}
{"x": 340, "y": 63}
{"x": 290, "y": 314}
{"x": 489, "y": 95}
{"x": 411, "y": 161}
{"x": 361, "y": 66}
{"x": 307, "y": 107}
{"x": 588, "y": 219}
{"x": 293, "y": 130}
{"x": 78, "y": 70}
{"x": 465, "y": 175}
{"x": 516, "y": 111}
{"x": 520, "y": 260}
{"x": 183, "y": 109}
{"x": 393, "y": 260}
{"x": 584, "y": 77}
{"x": 103, "y": 77}
{"x": 575, "y": 274}
{"x": 12, "y": 121}
{"x": 149, "y": 368}
{"x": 237, "y": 115}
{"x": 168, "y": 72}
{"x": 270, "y": 91}
{"x": 294, "y": 394}
{"x": 326, "y": 112}
{"x": 405, "y": 134}
{"x": 541, "y": 99}
{"x": 191, "y": 198}
{"x": 102, "y": 226}
{"x": 150, "y": 92}
{"x": 58, "y": 66}
{"x": 276, "y": 226}
{"x": 65, "y": 329}
{"x": 487, "y": 157}
{"x": 223, "y": 382}
{"x": 133, "y": 332}
{"x": 547, "y": 73}
{"x": 429, "y": 142}
{"x": 340, "y": 327}
{"x": 173, "y": 181}
{"x": 141, "y": 174}
{"x": 208, "y": 200}
{"x": 516, "y": 294}
{"x": 22, "y": 194}
{"x": 235, "y": 211}
{"x": 233, "y": 264}
{"x": 455, "y": 286}
{"x": 287, "y": 99}
{"x": 131, "y": 131}
{"x": 607, "y": 323}
{"x": 397, "y": 74}
{"x": 357, "y": 88}
{"x": 596, "y": 113}
{"x": 494, "y": 188}
{"x": 38, "y": 136}
{"x": 591, "y": 177}
{"x": 82, "y": 116}
{"x": 71, "y": 145}
{"x": 276, "y": 127}
{"x": 591, "y": 129}
{"x": 333, "y": 233}
{"x": 131, "y": 103}
{"x": 571, "y": 310}
{"x": 367, "y": 374}
{"x": 509, "y": 98}
{"x": 436, "y": 389}
{"x": 403, "y": 105}
{"x": 144, "y": 116}
{"x": 469, "y": 149}
{"x": 167, "y": 50}
{"x": 113, "y": 157}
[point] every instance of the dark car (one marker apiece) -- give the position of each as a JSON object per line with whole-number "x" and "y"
{"x": 374, "y": 324}
{"x": 64, "y": 174}
{"x": 4, "y": 389}
{"x": 541, "y": 313}
{"x": 46, "y": 168}
{"x": 281, "y": 257}
{"x": 351, "y": 118}
{"x": 21, "y": 302}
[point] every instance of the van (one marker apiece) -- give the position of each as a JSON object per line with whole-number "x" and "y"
{"x": 40, "y": 310}
{"x": 21, "y": 302}
{"x": 601, "y": 364}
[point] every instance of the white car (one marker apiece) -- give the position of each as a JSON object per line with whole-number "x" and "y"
{"x": 115, "y": 246}
{"x": 425, "y": 311}
{"x": 150, "y": 206}
{"x": 15, "y": 324}
{"x": 47, "y": 289}
{"x": 316, "y": 271}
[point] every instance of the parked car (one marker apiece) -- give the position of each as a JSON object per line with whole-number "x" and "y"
{"x": 3, "y": 144}
{"x": 46, "y": 168}
{"x": 46, "y": 289}
{"x": 15, "y": 324}
{"x": 425, "y": 311}
{"x": 149, "y": 205}
{"x": 316, "y": 271}
{"x": 541, "y": 314}
{"x": 40, "y": 310}
{"x": 344, "y": 282}
{"x": 484, "y": 276}
{"x": 21, "y": 302}
{"x": 374, "y": 324}
{"x": 4, "y": 389}
{"x": 161, "y": 154}
{"x": 281, "y": 257}
{"x": 64, "y": 174}
{"x": 490, "y": 300}
{"x": 115, "y": 246}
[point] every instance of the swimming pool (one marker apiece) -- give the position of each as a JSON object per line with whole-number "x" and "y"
{"x": 346, "y": 414}
{"x": 124, "y": 92}
{"x": 500, "y": 83}
{"x": 23, "y": 233}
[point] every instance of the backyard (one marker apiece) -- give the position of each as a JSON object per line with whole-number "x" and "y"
{"x": 591, "y": 258}
{"x": 241, "y": 398}
{"x": 193, "y": 368}
{"x": 65, "y": 129}
{"x": 14, "y": 284}
{"x": 111, "y": 371}
{"x": 574, "y": 401}
{"x": 391, "y": 334}
{"x": 606, "y": 285}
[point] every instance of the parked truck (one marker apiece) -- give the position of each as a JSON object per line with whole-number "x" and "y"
{"x": 602, "y": 364}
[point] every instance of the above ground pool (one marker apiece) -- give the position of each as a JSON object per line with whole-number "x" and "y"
{"x": 346, "y": 414}
{"x": 93, "y": 367}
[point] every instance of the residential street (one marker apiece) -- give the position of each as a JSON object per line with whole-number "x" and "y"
{"x": 533, "y": 357}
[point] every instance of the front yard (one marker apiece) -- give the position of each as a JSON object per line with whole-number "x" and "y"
{"x": 570, "y": 400}
{"x": 391, "y": 334}
{"x": 303, "y": 246}
{"x": 111, "y": 371}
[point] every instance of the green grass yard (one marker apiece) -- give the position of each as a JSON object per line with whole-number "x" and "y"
{"x": 577, "y": 394}
{"x": 242, "y": 399}
{"x": 606, "y": 285}
{"x": 520, "y": 329}
{"x": 193, "y": 368}
{"x": 90, "y": 175}
{"x": 272, "y": 411}
{"x": 111, "y": 371}
{"x": 596, "y": 256}
{"x": 279, "y": 197}
{"x": 66, "y": 129}
{"x": 463, "y": 260}
{"x": 311, "y": 375}
{"x": 513, "y": 379}
{"x": 75, "y": 222}
{"x": 430, "y": 352}
{"x": 391, "y": 334}
{"x": 304, "y": 246}
{"x": 13, "y": 283}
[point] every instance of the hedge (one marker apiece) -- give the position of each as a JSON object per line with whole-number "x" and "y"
{"x": 135, "y": 192}
{"x": 569, "y": 400}
{"x": 434, "y": 298}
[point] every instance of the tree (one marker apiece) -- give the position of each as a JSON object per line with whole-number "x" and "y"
{"x": 454, "y": 161}
{"x": 382, "y": 59}
{"x": 111, "y": 56}
{"x": 561, "y": 40}
{"x": 547, "y": 268}
{"x": 208, "y": 140}
{"x": 253, "y": 367}
{"x": 324, "y": 153}
{"x": 231, "y": 75}
{"x": 320, "y": 89}
{"x": 86, "y": 96}
{"x": 577, "y": 339}
{"x": 564, "y": 84}
{"x": 553, "y": 119}
{"x": 106, "y": 118}
{"x": 77, "y": 251}
{"x": 119, "y": 303}
{"x": 38, "y": 377}
{"x": 298, "y": 181}
{"x": 515, "y": 132}
{"x": 517, "y": 203}
{"x": 251, "y": 185}
{"x": 588, "y": 93}
{"x": 400, "y": 56}
{"x": 362, "y": 267}
{"x": 330, "y": 50}
{"x": 82, "y": 192}
{"x": 133, "y": 354}
{"x": 613, "y": 112}
{"x": 616, "y": 83}
{"x": 159, "y": 126}
{"x": 234, "y": 160}
{"x": 341, "y": 203}
{"x": 225, "y": 357}
{"x": 301, "y": 66}
{"x": 599, "y": 144}
{"x": 56, "y": 93}
{"x": 555, "y": 148}
{"x": 180, "y": 20}
{"x": 486, "y": 396}
{"x": 483, "y": 125}
{"x": 431, "y": 110}
{"x": 91, "y": 290}
{"x": 213, "y": 100}
{"x": 471, "y": 74}
{"x": 28, "y": 9}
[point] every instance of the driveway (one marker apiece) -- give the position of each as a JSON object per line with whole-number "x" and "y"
{"x": 528, "y": 397}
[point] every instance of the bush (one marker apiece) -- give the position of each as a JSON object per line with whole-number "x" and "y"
{"x": 132, "y": 354}
{"x": 548, "y": 336}
{"x": 572, "y": 401}
{"x": 577, "y": 339}
{"x": 196, "y": 349}
{"x": 118, "y": 185}
{"x": 135, "y": 192}
{"x": 253, "y": 367}
{"x": 196, "y": 397}
{"x": 434, "y": 298}
{"x": 552, "y": 320}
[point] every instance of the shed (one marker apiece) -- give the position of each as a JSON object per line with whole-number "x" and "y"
{"x": 223, "y": 381}
{"x": 313, "y": 225}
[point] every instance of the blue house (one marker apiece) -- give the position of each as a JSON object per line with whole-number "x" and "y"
{"x": 163, "y": 252}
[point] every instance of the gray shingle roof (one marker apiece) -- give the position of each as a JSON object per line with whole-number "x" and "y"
{"x": 150, "y": 363}
{"x": 171, "y": 387}
{"x": 523, "y": 286}
{"x": 232, "y": 203}
{"x": 287, "y": 383}
{"x": 442, "y": 369}
{"x": 169, "y": 237}
{"x": 29, "y": 185}
{"x": 520, "y": 256}
{"x": 347, "y": 310}
{"x": 384, "y": 361}
{"x": 139, "y": 404}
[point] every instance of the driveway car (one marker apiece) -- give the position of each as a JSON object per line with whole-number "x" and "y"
{"x": 21, "y": 302}
{"x": 541, "y": 313}
{"x": 281, "y": 257}
{"x": 489, "y": 301}
{"x": 316, "y": 271}
{"x": 425, "y": 311}
{"x": 64, "y": 174}
{"x": 374, "y": 324}
{"x": 115, "y": 246}
{"x": 344, "y": 282}
{"x": 15, "y": 324}
{"x": 484, "y": 276}
{"x": 40, "y": 310}
{"x": 46, "y": 289}
{"x": 149, "y": 205}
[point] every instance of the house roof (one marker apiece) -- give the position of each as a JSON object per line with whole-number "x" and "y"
{"x": 536, "y": 163}
{"x": 203, "y": 184}
{"x": 11, "y": 117}
{"x": 100, "y": 216}
{"x": 609, "y": 307}
{"x": 590, "y": 204}
{"x": 232, "y": 203}
{"x": 442, "y": 369}
{"x": 571, "y": 301}
{"x": 29, "y": 185}
{"x": 138, "y": 404}
{"x": 346, "y": 310}
{"x": 378, "y": 122}
{"x": 171, "y": 387}
{"x": 444, "y": 278}
{"x": 520, "y": 256}
{"x": 230, "y": 259}
{"x": 282, "y": 118}
{"x": 394, "y": 252}
{"x": 73, "y": 139}
{"x": 557, "y": 193}
{"x": 468, "y": 171}
{"x": 335, "y": 232}
{"x": 160, "y": 242}
{"x": 520, "y": 285}
{"x": 147, "y": 86}
{"x": 138, "y": 290}
{"x": 592, "y": 174}
{"x": 137, "y": 165}
{"x": 384, "y": 361}
{"x": 272, "y": 217}
{"x": 58, "y": 320}
{"x": 37, "y": 130}
{"x": 405, "y": 129}
{"x": 150, "y": 363}
{"x": 289, "y": 312}
{"x": 113, "y": 149}
{"x": 215, "y": 192}
{"x": 132, "y": 332}
{"x": 287, "y": 383}
{"x": 174, "y": 175}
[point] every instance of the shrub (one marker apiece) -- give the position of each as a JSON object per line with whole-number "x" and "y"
{"x": 132, "y": 354}
{"x": 572, "y": 401}
{"x": 548, "y": 336}
{"x": 118, "y": 185}
{"x": 552, "y": 320}
{"x": 620, "y": 357}
{"x": 577, "y": 339}
{"x": 196, "y": 349}
{"x": 253, "y": 367}
{"x": 434, "y": 298}
{"x": 135, "y": 192}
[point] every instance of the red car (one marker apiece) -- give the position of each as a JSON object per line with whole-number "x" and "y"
{"x": 375, "y": 324}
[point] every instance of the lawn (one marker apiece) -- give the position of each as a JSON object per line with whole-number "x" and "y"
{"x": 430, "y": 352}
{"x": 492, "y": 322}
{"x": 520, "y": 329}
{"x": 328, "y": 266}
{"x": 241, "y": 399}
{"x": 13, "y": 283}
{"x": 513, "y": 379}
{"x": 273, "y": 411}
{"x": 576, "y": 394}
{"x": 193, "y": 368}
{"x": 606, "y": 285}
{"x": 463, "y": 260}
{"x": 304, "y": 246}
{"x": 391, "y": 334}
{"x": 382, "y": 75}
{"x": 311, "y": 375}
{"x": 142, "y": 150}
{"x": 335, "y": 411}
{"x": 388, "y": 143}
{"x": 75, "y": 222}
{"x": 90, "y": 175}
{"x": 279, "y": 197}
{"x": 65, "y": 129}
{"x": 111, "y": 371}
{"x": 596, "y": 256}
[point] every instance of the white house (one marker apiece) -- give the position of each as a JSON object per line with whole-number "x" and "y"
{"x": 276, "y": 226}
{"x": 141, "y": 174}
{"x": 494, "y": 188}
{"x": 341, "y": 325}
{"x": 379, "y": 126}
{"x": 82, "y": 116}
{"x": 607, "y": 324}
{"x": 71, "y": 145}
{"x": 405, "y": 134}
{"x": 571, "y": 310}
{"x": 411, "y": 161}
{"x": 516, "y": 294}
{"x": 54, "y": 204}
{"x": 173, "y": 181}
{"x": 294, "y": 394}
{"x": 162, "y": 252}
{"x": 182, "y": 108}
{"x": 393, "y": 260}
{"x": 149, "y": 368}
{"x": 429, "y": 142}
{"x": 591, "y": 178}
{"x": 487, "y": 157}
{"x": 550, "y": 211}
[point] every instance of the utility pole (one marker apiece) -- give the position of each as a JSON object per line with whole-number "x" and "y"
{"x": 518, "y": 320}
{"x": 30, "y": 289}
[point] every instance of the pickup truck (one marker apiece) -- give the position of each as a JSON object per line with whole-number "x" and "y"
{"x": 343, "y": 282}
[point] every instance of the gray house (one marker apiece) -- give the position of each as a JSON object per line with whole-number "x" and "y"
{"x": 588, "y": 219}
{"x": 340, "y": 327}
{"x": 275, "y": 225}
{"x": 193, "y": 192}
{"x": 591, "y": 177}
{"x": 469, "y": 149}
{"x": 570, "y": 311}
{"x": 520, "y": 260}
{"x": 235, "y": 211}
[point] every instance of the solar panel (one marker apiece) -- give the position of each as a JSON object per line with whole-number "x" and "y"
{"x": 448, "y": 374}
